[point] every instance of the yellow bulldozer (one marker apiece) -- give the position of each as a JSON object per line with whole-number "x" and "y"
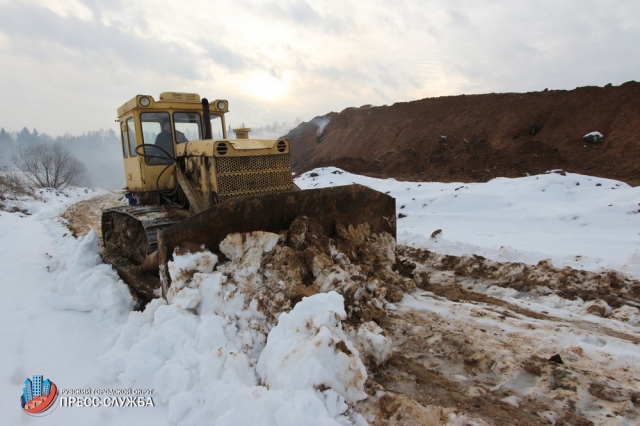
{"x": 190, "y": 185}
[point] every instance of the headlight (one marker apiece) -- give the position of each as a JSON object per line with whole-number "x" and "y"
{"x": 221, "y": 105}
{"x": 144, "y": 101}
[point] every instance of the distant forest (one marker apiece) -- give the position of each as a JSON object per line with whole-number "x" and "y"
{"x": 99, "y": 150}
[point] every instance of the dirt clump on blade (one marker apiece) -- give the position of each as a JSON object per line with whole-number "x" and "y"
{"x": 357, "y": 263}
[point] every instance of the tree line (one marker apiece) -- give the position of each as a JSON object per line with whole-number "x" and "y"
{"x": 78, "y": 144}
{"x": 100, "y": 152}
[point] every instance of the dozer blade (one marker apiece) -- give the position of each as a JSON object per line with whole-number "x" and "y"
{"x": 349, "y": 205}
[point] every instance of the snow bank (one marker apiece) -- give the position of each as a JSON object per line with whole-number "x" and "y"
{"x": 83, "y": 283}
{"x": 212, "y": 352}
{"x": 78, "y": 279}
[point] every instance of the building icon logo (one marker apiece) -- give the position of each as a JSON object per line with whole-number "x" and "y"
{"x": 38, "y": 396}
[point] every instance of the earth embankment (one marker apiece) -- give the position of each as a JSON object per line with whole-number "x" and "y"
{"x": 475, "y": 138}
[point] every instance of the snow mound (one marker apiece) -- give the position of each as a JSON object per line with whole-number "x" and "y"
{"x": 308, "y": 349}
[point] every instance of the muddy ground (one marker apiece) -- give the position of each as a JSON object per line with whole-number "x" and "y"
{"x": 85, "y": 215}
{"x": 470, "y": 344}
{"x": 505, "y": 363}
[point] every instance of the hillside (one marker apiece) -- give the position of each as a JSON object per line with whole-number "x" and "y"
{"x": 474, "y": 138}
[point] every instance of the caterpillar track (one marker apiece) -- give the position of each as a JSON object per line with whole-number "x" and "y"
{"x": 130, "y": 237}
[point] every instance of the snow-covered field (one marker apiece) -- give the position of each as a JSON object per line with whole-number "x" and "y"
{"x": 212, "y": 356}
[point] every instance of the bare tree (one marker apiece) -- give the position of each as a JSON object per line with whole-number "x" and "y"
{"x": 48, "y": 165}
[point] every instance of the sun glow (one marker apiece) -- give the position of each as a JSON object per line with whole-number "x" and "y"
{"x": 266, "y": 87}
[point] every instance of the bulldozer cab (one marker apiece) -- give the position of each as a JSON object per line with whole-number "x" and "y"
{"x": 151, "y": 131}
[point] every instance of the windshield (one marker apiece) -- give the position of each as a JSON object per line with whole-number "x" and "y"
{"x": 188, "y": 126}
{"x": 156, "y": 132}
{"x": 160, "y": 133}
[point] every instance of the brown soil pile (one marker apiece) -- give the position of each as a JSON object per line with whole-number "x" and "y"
{"x": 475, "y": 138}
{"x": 356, "y": 263}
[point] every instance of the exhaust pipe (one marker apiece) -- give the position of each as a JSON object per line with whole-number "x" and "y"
{"x": 207, "y": 119}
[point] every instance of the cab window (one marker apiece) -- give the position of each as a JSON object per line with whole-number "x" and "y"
{"x": 157, "y": 137}
{"x": 131, "y": 129}
{"x": 188, "y": 126}
{"x": 216, "y": 127}
{"x": 125, "y": 142}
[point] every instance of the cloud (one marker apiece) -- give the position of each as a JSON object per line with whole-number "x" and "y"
{"x": 301, "y": 13}
{"x": 41, "y": 33}
{"x": 225, "y": 57}
{"x": 61, "y": 55}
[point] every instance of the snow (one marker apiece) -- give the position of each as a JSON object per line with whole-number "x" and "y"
{"x": 213, "y": 357}
{"x": 306, "y": 341}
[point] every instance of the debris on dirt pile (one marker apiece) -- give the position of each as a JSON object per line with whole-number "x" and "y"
{"x": 610, "y": 293}
{"x": 593, "y": 137}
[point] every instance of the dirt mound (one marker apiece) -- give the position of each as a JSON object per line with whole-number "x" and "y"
{"x": 357, "y": 263}
{"x": 475, "y": 138}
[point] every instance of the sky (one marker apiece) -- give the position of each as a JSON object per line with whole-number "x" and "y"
{"x": 68, "y": 64}
{"x": 208, "y": 353}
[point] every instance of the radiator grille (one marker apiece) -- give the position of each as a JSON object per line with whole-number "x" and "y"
{"x": 260, "y": 175}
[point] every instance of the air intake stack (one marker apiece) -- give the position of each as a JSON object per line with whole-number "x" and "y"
{"x": 242, "y": 133}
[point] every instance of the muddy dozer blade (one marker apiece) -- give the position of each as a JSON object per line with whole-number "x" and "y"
{"x": 349, "y": 205}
